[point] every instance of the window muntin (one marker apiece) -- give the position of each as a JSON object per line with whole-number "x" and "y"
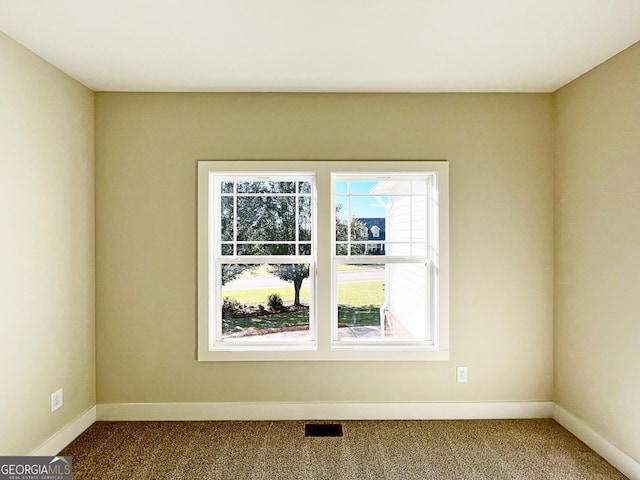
{"x": 361, "y": 200}
{"x": 260, "y": 217}
{"x": 393, "y": 300}
{"x": 263, "y": 240}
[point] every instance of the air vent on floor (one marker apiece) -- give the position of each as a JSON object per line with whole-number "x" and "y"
{"x": 323, "y": 430}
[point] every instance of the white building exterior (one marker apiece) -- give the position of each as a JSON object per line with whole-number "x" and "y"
{"x": 406, "y": 288}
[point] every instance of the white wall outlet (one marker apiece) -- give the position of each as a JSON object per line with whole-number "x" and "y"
{"x": 56, "y": 400}
{"x": 461, "y": 375}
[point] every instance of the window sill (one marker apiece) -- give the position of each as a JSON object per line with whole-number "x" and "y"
{"x": 341, "y": 353}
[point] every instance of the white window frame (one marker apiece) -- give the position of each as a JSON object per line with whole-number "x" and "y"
{"x": 323, "y": 347}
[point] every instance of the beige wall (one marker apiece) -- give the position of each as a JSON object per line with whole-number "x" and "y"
{"x": 46, "y": 248}
{"x": 500, "y": 148}
{"x": 597, "y": 248}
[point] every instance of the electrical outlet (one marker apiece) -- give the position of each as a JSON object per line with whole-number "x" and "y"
{"x": 56, "y": 400}
{"x": 461, "y": 375}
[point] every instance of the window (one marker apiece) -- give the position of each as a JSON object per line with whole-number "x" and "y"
{"x": 262, "y": 240}
{"x": 390, "y": 299}
{"x": 329, "y": 261}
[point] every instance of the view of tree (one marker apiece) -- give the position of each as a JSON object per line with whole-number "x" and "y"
{"x": 358, "y": 232}
{"x": 231, "y": 272}
{"x": 266, "y": 212}
{"x": 292, "y": 273}
{"x": 263, "y": 215}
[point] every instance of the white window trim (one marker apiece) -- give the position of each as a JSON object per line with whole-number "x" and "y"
{"x": 323, "y": 349}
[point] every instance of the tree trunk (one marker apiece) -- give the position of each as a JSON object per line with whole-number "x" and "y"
{"x": 297, "y": 284}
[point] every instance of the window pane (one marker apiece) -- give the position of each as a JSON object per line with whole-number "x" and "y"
{"x": 226, "y": 218}
{"x": 266, "y": 187}
{"x": 418, "y": 218}
{"x": 266, "y": 218}
{"x": 405, "y": 301}
{"x": 226, "y": 187}
{"x": 418, "y": 249}
{"x": 342, "y": 249}
{"x": 401, "y": 249}
{"x": 367, "y": 212}
{"x": 370, "y": 229}
{"x": 365, "y": 206}
{"x": 304, "y": 249}
{"x": 400, "y": 220}
{"x": 362, "y": 186}
{"x": 304, "y": 187}
{"x": 304, "y": 218}
{"x": 232, "y": 271}
{"x": 378, "y": 302}
{"x": 342, "y": 216}
{"x": 357, "y": 249}
{"x": 360, "y": 297}
{"x": 265, "y": 302}
{"x": 419, "y": 187}
{"x": 227, "y": 249}
{"x": 358, "y": 230}
{"x": 397, "y": 187}
{"x": 342, "y": 187}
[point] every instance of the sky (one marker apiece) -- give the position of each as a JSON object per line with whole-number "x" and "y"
{"x": 368, "y": 206}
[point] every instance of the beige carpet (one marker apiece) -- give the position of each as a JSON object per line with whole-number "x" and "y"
{"x": 403, "y": 450}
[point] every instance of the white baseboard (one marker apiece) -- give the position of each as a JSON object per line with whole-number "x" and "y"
{"x": 612, "y": 454}
{"x": 66, "y": 435}
{"x": 322, "y": 411}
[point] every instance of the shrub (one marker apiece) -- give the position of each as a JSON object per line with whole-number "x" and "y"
{"x": 228, "y": 306}
{"x": 275, "y": 302}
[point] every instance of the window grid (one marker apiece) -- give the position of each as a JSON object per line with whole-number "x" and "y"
{"x": 296, "y": 258}
{"x": 413, "y": 257}
{"x": 426, "y": 180}
{"x": 235, "y": 195}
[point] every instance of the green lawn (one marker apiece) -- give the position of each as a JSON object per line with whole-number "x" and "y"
{"x": 359, "y": 305}
{"x": 353, "y": 294}
{"x": 361, "y": 294}
{"x": 259, "y": 296}
{"x": 362, "y": 316}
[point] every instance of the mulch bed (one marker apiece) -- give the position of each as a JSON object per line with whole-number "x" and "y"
{"x": 244, "y": 311}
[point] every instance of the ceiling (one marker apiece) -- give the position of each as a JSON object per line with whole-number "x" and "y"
{"x": 323, "y": 45}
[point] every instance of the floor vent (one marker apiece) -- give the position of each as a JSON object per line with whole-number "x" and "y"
{"x": 323, "y": 430}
